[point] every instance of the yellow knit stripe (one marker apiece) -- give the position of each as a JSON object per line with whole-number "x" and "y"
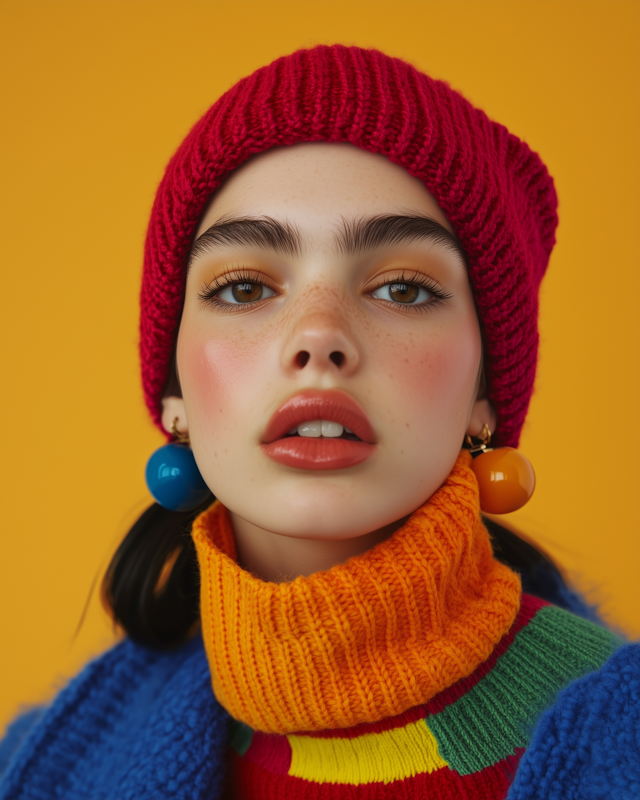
{"x": 372, "y": 758}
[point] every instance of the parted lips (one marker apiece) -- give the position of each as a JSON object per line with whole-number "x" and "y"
{"x": 332, "y": 405}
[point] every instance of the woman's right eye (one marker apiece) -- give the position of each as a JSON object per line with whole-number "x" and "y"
{"x": 244, "y": 292}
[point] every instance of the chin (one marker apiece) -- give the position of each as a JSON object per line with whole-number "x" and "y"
{"x": 324, "y": 513}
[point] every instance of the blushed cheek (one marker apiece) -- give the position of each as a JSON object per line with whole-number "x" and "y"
{"x": 218, "y": 376}
{"x": 437, "y": 376}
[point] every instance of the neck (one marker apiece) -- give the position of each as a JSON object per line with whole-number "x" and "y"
{"x": 277, "y": 558}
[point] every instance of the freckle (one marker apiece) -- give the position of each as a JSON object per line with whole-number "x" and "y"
{"x": 407, "y": 424}
{"x": 406, "y": 361}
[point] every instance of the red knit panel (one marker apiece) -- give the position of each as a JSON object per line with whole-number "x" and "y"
{"x": 271, "y": 751}
{"x": 495, "y": 191}
{"x": 529, "y": 607}
{"x": 246, "y": 781}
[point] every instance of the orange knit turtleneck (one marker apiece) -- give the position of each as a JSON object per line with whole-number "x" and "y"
{"x": 367, "y": 639}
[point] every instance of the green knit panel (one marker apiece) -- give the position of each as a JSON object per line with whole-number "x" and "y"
{"x": 498, "y": 713}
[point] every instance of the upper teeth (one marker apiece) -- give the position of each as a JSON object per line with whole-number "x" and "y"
{"x": 320, "y": 427}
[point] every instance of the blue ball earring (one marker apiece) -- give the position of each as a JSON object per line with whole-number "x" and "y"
{"x": 173, "y": 477}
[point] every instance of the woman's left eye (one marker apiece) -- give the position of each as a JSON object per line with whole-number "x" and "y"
{"x": 404, "y": 293}
{"x": 244, "y": 292}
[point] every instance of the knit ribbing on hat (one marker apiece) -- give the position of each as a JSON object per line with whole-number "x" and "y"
{"x": 494, "y": 190}
{"x": 367, "y": 639}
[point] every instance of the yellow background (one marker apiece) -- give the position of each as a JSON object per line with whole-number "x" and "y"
{"x": 96, "y": 95}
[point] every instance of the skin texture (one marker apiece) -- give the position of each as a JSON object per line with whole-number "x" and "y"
{"x": 414, "y": 370}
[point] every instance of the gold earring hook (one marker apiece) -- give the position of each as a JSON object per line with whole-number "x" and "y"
{"x": 483, "y": 438}
{"x": 485, "y": 435}
{"x": 178, "y": 437}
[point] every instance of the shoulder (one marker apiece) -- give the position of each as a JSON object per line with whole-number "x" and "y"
{"x": 500, "y": 704}
{"x": 126, "y": 721}
{"x": 587, "y": 744}
{"x": 566, "y": 692}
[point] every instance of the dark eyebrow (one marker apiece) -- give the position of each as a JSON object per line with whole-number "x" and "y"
{"x": 372, "y": 233}
{"x": 355, "y": 236}
{"x": 261, "y": 232}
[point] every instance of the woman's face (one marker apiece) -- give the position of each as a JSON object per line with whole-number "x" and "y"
{"x": 324, "y": 291}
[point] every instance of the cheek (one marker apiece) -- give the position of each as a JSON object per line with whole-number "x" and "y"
{"x": 447, "y": 369}
{"x": 218, "y": 376}
{"x": 434, "y": 378}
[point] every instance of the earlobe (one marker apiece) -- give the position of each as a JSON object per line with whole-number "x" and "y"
{"x": 483, "y": 413}
{"x": 172, "y": 475}
{"x": 173, "y": 409}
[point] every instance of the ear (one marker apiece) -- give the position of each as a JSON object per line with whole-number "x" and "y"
{"x": 173, "y": 409}
{"x": 482, "y": 413}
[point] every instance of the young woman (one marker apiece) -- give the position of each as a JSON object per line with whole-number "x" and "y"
{"x": 340, "y": 290}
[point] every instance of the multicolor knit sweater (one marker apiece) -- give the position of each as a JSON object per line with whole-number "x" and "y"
{"x": 414, "y": 670}
{"x": 465, "y": 742}
{"x": 138, "y": 724}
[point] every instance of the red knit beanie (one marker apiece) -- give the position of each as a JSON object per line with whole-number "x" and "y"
{"x": 494, "y": 190}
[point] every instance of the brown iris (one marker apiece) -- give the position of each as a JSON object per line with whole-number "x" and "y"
{"x": 403, "y": 292}
{"x": 246, "y": 292}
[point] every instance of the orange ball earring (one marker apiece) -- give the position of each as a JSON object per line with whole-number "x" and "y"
{"x": 505, "y": 477}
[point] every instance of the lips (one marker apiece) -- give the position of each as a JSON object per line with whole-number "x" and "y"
{"x": 319, "y": 453}
{"x": 332, "y": 405}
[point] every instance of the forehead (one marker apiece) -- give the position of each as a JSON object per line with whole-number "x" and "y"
{"x": 316, "y": 185}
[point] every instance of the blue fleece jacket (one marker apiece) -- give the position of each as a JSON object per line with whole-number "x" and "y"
{"x": 143, "y": 724}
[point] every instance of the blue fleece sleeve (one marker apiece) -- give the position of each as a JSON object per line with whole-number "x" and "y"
{"x": 15, "y": 735}
{"x": 587, "y": 745}
{"x": 135, "y": 723}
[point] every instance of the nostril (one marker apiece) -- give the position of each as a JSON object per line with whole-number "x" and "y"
{"x": 337, "y": 357}
{"x": 302, "y": 358}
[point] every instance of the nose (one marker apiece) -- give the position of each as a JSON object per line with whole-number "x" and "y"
{"x": 320, "y": 343}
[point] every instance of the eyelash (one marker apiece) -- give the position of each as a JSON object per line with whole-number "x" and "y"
{"x": 209, "y": 292}
{"x": 440, "y": 296}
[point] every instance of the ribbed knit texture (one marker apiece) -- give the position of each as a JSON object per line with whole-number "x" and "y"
{"x": 465, "y": 742}
{"x": 367, "y": 639}
{"x": 495, "y": 191}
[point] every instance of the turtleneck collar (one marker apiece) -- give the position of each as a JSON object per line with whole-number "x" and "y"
{"x": 367, "y": 639}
